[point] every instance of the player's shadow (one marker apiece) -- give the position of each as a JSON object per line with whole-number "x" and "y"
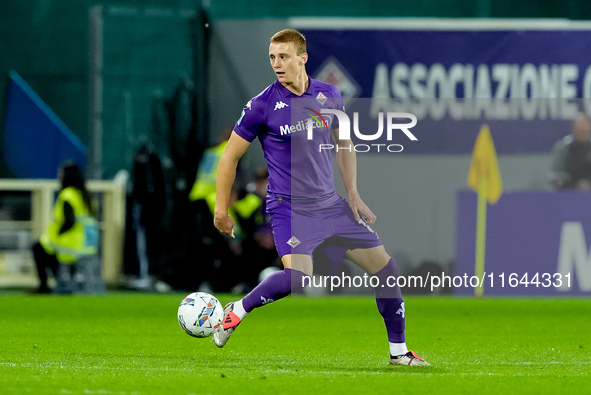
{"x": 379, "y": 369}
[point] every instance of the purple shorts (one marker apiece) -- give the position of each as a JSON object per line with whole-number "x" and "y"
{"x": 301, "y": 231}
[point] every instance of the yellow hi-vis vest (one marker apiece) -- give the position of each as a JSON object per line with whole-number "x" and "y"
{"x": 244, "y": 208}
{"x": 207, "y": 174}
{"x": 81, "y": 239}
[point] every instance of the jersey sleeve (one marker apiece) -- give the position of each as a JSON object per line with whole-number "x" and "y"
{"x": 252, "y": 120}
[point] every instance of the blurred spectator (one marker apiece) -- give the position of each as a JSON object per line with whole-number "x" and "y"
{"x": 258, "y": 245}
{"x": 145, "y": 210}
{"x": 73, "y": 231}
{"x": 210, "y": 251}
{"x": 571, "y": 162}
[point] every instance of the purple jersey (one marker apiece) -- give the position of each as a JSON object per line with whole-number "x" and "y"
{"x": 291, "y": 129}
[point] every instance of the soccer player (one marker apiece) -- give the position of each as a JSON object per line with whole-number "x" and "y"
{"x": 305, "y": 209}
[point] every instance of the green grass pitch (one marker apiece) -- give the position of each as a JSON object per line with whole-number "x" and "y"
{"x": 129, "y": 343}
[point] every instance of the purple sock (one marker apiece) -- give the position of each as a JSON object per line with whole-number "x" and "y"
{"x": 390, "y": 303}
{"x": 278, "y": 285}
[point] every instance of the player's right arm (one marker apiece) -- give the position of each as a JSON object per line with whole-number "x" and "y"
{"x": 234, "y": 150}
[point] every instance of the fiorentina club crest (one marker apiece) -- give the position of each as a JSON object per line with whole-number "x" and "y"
{"x": 294, "y": 242}
{"x": 321, "y": 98}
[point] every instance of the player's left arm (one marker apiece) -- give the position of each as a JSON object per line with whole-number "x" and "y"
{"x": 347, "y": 162}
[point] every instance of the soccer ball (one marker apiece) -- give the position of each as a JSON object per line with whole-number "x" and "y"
{"x": 200, "y": 314}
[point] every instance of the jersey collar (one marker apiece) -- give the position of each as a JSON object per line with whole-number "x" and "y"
{"x": 286, "y": 92}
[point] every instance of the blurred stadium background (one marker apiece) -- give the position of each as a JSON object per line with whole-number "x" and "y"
{"x": 170, "y": 76}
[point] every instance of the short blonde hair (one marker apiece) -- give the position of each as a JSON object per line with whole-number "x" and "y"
{"x": 291, "y": 36}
